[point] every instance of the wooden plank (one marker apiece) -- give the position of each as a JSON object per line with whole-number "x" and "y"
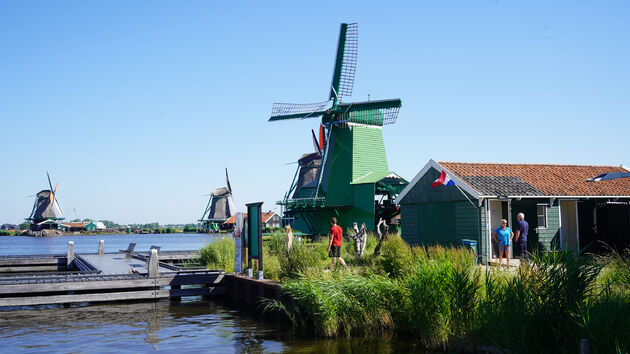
{"x": 64, "y": 299}
{"x": 197, "y": 279}
{"x": 35, "y": 268}
{"x": 191, "y": 292}
{"x": 28, "y": 261}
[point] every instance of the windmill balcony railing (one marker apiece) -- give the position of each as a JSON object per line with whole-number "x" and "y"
{"x": 303, "y": 203}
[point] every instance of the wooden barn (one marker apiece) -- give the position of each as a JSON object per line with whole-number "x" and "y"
{"x": 562, "y": 208}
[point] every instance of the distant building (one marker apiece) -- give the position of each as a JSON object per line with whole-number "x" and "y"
{"x": 100, "y": 225}
{"x": 79, "y": 226}
{"x": 269, "y": 219}
{"x": 8, "y": 227}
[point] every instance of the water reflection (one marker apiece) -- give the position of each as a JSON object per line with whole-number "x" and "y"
{"x": 191, "y": 325}
{"x": 134, "y": 327}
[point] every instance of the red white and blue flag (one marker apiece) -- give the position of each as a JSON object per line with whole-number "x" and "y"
{"x": 444, "y": 179}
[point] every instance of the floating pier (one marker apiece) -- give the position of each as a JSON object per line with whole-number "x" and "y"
{"x": 100, "y": 277}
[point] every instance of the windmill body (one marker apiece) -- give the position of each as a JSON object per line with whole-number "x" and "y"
{"x": 349, "y": 177}
{"x": 219, "y": 208}
{"x": 46, "y": 213}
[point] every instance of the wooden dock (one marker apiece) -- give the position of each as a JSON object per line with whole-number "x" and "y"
{"x": 98, "y": 277}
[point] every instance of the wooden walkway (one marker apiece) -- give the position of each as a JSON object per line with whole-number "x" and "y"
{"x": 49, "y": 279}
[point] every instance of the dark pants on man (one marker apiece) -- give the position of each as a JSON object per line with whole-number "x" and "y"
{"x": 521, "y": 248}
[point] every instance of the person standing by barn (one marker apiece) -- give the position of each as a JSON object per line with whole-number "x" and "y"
{"x": 334, "y": 243}
{"x": 521, "y": 235}
{"x": 503, "y": 236}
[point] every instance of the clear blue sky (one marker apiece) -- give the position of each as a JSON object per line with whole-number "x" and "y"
{"x": 135, "y": 107}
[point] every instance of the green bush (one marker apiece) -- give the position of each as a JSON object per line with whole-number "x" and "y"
{"x": 300, "y": 258}
{"x": 397, "y": 258}
{"x": 219, "y": 254}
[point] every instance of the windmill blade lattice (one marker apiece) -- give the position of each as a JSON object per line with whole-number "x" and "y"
{"x": 283, "y": 111}
{"x": 346, "y": 62}
{"x": 376, "y": 113}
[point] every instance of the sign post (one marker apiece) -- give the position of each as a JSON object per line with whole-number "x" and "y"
{"x": 238, "y": 244}
{"x": 254, "y": 237}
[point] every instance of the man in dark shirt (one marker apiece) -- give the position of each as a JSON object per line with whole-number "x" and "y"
{"x": 521, "y": 235}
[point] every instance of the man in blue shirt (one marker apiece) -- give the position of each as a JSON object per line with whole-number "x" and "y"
{"x": 521, "y": 235}
{"x": 503, "y": 236}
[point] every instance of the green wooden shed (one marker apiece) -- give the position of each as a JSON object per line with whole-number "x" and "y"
{"x": 562, "y": 208}
{"x": 90, "y": 226}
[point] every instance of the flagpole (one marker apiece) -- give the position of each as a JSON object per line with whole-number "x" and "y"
{"x": 473, "y": 204}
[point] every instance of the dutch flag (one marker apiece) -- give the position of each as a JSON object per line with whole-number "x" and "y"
{"x": 444, "y": 179}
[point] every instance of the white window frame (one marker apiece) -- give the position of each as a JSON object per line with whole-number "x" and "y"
{"x": 545, "y": 208}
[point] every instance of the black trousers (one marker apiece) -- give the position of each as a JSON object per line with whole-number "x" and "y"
{"x": 521, "y": 248}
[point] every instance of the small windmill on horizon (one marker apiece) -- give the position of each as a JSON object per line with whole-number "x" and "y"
{"x": 46, "y": 213}
{"x": 219, "y": 208}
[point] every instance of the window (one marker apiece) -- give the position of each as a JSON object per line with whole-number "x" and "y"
{"x": 541, "y": 213}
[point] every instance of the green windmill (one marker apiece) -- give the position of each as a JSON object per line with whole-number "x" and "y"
{"x": 347, "y": 176}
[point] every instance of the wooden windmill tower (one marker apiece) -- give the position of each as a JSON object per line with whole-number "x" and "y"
{"x": 46, "y": 213}
{"x": 219, "y": 208}
{"x": 350, "y": 179}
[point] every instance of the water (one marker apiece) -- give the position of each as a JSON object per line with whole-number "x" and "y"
{"x": 193, "y": 325}
{"x": 23, "y": 245}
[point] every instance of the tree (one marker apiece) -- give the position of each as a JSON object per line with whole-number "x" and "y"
{"x": 25, "y": 226}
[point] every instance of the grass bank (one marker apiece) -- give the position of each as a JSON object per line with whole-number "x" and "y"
{"x": 437, "y": 295}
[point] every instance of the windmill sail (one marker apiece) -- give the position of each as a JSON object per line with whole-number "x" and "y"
{"x": 284, "y": 111}
{"x": 346, "y": 61}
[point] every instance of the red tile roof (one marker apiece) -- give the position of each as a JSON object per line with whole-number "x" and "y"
{"x": 75, "y": 224}
{"x": 551, "y": 180}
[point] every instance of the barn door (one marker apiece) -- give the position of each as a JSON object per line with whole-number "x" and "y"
{"x": 569, "y": 234}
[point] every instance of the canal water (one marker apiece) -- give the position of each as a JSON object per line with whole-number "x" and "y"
{"x": 192, "y": 325}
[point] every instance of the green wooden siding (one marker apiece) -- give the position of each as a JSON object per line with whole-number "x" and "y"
{"x": 368, "y": 151}
{"x": 339, "y": 191}
{"x": 440, "y": 215}
{"x": 410, "y": 223}
{"x": 547, "y": 237}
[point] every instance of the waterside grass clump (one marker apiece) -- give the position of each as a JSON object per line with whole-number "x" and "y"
{"x": 219, "y": 254}
{"x": 437, "y": 295}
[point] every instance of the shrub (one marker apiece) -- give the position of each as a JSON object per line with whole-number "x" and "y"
{"x": 397, "y": 257}
{"x": 300, "y": 258}
{"x": 219, "y": 254}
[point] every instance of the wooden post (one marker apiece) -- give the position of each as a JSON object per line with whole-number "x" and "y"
{"x": 70, "y": 257}
{"x": 585, "y": 346}
{"x": 153, "y": 264}
{"x": 101, "y": 247}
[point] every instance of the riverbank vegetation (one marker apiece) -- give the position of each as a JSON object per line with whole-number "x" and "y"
{"x": 438, "y": 296}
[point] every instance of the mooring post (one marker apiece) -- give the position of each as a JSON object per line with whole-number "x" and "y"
{"x": 153, "y": 264}
{"x": 585, "y": 346}
{"x": 101, "y": 248}
{"x": 70, "y": 257}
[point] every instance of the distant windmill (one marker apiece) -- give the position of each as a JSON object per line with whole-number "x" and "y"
{"x": 349, "y": 170}
{"x": 219, "y": 208}
{"x": 46, "y": 212}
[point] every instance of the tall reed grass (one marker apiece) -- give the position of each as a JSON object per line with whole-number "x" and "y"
{"x": 219, "y": 254}
{"x": 437, "y": 295}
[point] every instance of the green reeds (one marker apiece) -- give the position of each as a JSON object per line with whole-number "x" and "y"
{"x": 219, "y": 254}
{"x": 438, "y": 296}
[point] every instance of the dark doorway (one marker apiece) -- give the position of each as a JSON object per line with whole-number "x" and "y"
{"x": 613, "y": 224}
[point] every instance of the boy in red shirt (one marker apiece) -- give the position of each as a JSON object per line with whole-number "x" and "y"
{"x": 334, "y": 243}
